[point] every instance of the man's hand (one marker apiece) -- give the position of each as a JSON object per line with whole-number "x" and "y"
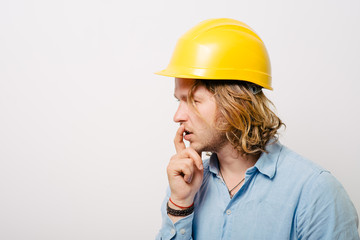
{"x": 185, "y": 172}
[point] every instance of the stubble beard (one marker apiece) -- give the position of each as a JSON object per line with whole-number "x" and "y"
{"x": 213, "y": 143}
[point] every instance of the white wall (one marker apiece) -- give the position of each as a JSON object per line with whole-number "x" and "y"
{"x": 86, "y": 127}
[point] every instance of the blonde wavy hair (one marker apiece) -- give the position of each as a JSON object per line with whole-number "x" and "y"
{"x": 245, "y": 114}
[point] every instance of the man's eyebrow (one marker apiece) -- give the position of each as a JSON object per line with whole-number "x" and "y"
{"x": 180, "y": 97}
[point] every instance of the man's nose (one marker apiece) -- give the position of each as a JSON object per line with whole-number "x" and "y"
{"x": 181, "y": 114}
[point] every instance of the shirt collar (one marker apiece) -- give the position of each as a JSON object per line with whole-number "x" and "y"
{"x": 266, "y": 164}
{"x": 214, "y": 164}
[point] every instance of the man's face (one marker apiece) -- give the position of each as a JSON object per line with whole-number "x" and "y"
{"x": 200, "y": 128}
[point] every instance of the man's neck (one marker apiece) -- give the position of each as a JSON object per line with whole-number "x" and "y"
{"x": 234, "y": 163}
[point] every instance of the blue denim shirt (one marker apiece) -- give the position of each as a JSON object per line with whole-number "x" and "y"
{"x": 284, "y": 196}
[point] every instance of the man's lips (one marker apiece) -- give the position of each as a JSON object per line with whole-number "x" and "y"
{"x": 187, "y": 135}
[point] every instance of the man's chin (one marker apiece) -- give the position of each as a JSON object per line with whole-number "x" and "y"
{"x": 197, "y": 148}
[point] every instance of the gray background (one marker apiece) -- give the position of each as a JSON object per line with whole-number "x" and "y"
{"x": 86, "y": 127}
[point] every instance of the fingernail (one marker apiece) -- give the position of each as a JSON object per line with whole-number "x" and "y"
{"x": 189, "y": 179}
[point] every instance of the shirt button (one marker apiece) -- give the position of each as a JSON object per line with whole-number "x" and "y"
{"x": 182, "y": 231}
{"x": 172, "y": 231}
{"x": 228, "y": 212}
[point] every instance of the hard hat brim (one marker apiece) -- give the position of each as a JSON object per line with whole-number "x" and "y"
{"x": 262, "y": 79}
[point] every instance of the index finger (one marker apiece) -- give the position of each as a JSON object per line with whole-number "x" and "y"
{"x": 190, "y": 152}
{"x": 179, "y": 139}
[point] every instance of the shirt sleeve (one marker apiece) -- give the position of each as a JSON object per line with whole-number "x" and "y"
{"x": 181, "y": 230}
{"x": 325, "y": 211}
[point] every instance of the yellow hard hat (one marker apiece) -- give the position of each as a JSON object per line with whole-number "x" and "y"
{"x": 221, "y": 49}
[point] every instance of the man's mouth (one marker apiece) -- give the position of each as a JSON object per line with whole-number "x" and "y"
{"x": 187, "y": 135}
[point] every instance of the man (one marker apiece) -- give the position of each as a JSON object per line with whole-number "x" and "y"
{"x": 252, "y": 187}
